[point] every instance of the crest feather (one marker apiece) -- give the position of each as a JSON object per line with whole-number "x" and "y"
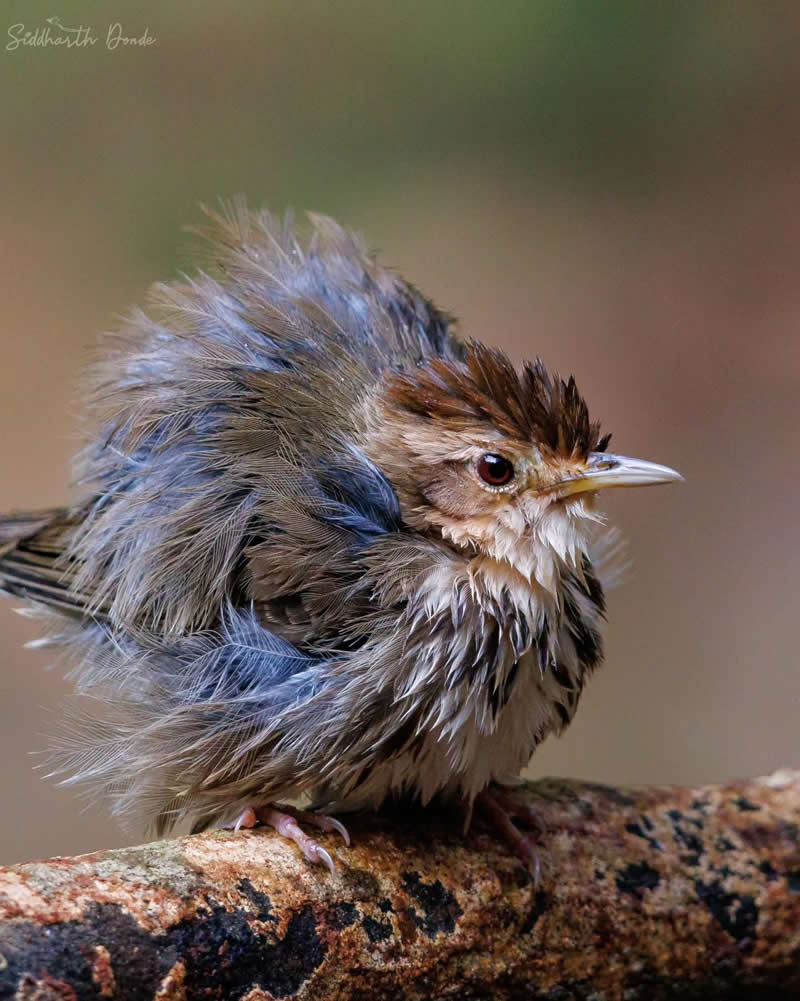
{"x": 530, "y": 405}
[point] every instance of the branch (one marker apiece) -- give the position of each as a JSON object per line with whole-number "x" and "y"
{"x": 646, "y": 894}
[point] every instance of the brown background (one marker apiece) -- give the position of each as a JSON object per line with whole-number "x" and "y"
{"x": 615, "y": 187}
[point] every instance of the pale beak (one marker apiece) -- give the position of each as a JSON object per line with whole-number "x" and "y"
{"x": 603, "y": 470}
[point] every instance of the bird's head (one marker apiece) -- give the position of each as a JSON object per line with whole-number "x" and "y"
{"x": 500, "y": 462}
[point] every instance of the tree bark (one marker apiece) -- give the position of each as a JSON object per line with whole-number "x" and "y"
{"x": 644, "y": 894}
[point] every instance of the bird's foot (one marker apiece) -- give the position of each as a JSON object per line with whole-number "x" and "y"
{"x": 284, "y": 819}
{"x": 500, "y": 808}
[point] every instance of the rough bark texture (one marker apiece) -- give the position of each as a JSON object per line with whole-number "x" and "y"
{"x": 645, "y": 893}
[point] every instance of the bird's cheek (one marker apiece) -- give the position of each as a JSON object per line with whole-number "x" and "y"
{"x": 453, "y": 494}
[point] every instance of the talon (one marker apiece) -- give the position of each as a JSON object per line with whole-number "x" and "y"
{"x": 332, "y": 824}
{"x": 322, "y": 855}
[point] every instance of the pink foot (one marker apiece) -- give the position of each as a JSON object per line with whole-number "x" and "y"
{"x": 284, "y": 819}
{"x": 500, "y": 809}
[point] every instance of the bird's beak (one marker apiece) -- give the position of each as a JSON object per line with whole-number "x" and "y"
{"x": 603, "y": 470}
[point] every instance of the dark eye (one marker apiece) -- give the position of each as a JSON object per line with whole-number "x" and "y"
{"x": 495, "y": 470}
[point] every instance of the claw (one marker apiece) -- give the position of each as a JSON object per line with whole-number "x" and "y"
{"x": 321, "y": 856}
{"x": 339, "y": 827}
{"x": 332, "y": 824}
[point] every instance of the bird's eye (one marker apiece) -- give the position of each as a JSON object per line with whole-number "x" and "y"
{"x": 496, "y": 470}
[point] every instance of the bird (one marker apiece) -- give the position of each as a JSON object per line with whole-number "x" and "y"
{"x": 323, "y": 549}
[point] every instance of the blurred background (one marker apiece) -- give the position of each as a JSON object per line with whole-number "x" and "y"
{"x": 612, "y": 186}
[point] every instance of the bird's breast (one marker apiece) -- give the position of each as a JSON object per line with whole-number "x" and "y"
{"x": 488, "y": 705}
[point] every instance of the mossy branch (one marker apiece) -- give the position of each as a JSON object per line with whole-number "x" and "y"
{"x": 645, "y": 894}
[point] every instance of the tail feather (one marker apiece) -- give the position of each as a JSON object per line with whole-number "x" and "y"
{"x": 33, "y": 564}
{"x": 19, "y": 525}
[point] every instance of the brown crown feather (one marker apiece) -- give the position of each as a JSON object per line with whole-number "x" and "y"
{"x": 529, "y": 405}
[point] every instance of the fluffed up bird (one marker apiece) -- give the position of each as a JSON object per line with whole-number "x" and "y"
{"x": 323, "y": 548}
